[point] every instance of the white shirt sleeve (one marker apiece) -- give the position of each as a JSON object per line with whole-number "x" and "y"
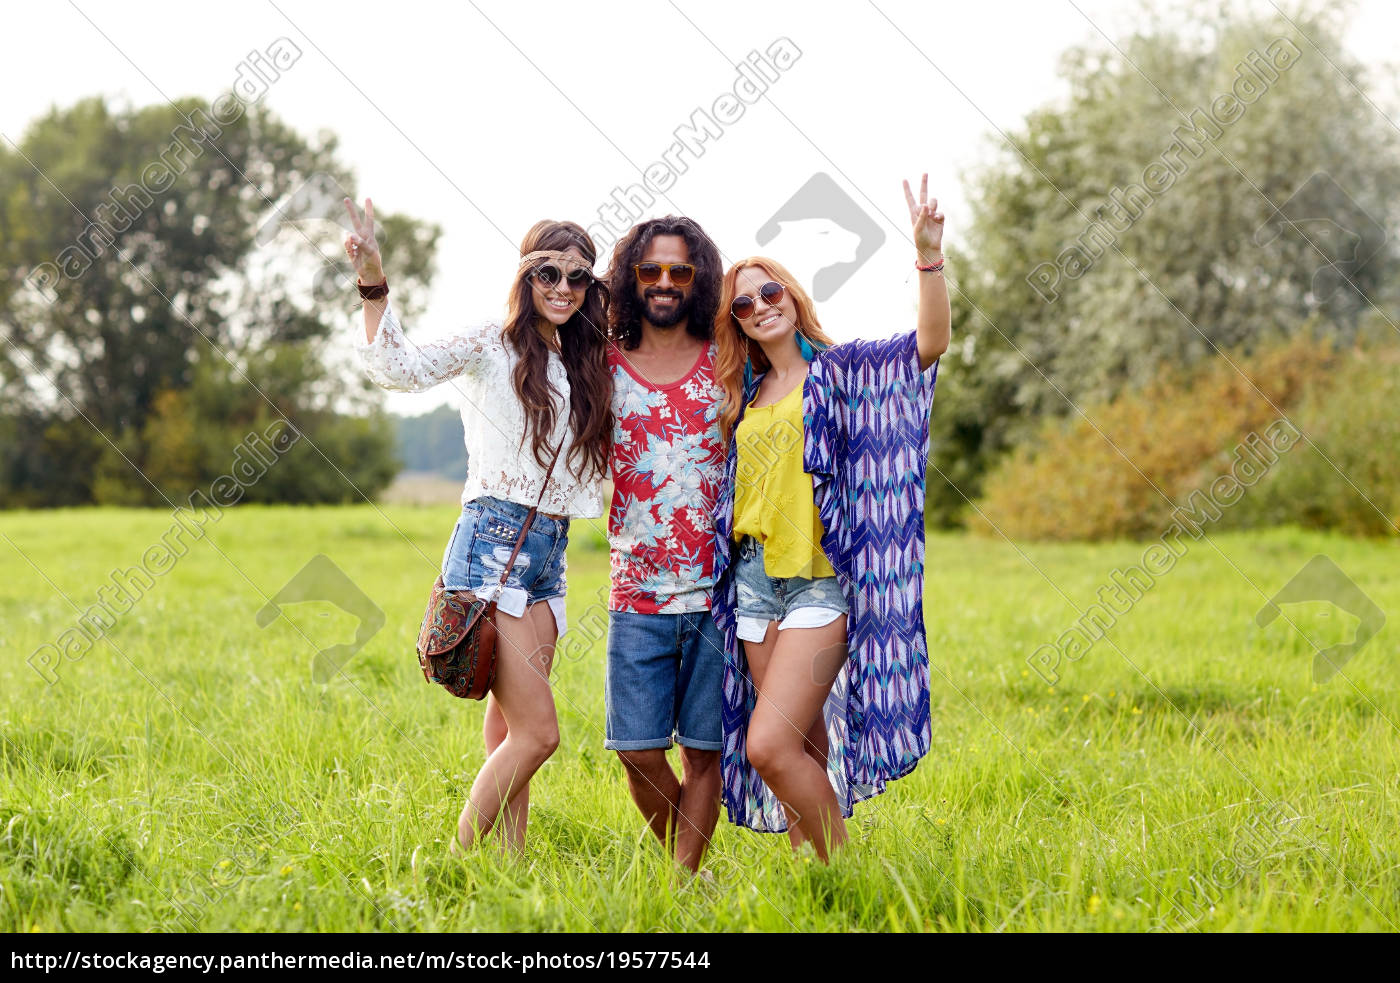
{"x": 394, "y": 362}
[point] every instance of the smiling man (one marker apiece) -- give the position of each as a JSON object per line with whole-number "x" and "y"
{"x": 665, "y": 656}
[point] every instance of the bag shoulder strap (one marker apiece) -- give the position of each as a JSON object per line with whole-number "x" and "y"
{"x": 530, "y": 519}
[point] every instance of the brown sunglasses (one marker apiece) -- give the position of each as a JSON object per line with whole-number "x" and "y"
{"x": 744, "y": 305}
{"x": 649, "y": 273}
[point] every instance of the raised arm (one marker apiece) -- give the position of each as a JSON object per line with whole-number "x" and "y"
{"x": 935, "y": 314}
{"x": 392, "y": 360}
{"x": 363, "y": 250}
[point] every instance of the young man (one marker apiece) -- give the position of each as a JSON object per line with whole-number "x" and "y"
{"x": 665, "y": 656}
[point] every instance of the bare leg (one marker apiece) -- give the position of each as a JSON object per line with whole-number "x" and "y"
{"x": 517, "y": 811}
{"x": 759, "y": 655}
{"x": 524, "y": 655}
{"x": 655, "y": 789}
{"x": 800, "y": 669}
{"x": 698, "y": 806}
{"x": 682, "y": 814}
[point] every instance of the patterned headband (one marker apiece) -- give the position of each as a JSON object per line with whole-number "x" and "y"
{"x": 568, "y": 261}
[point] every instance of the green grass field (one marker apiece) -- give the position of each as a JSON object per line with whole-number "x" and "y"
{"x": 1186, "y": 774}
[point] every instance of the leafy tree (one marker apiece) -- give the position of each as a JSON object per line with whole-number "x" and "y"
{"x": 1209, "y": 184}
{"x": 147, "y": 246}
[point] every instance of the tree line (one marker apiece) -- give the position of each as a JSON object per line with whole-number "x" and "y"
{"x": 1214, "y": 185}
{"x": 174, "y": 284}
{"x": 1210, "y": 186}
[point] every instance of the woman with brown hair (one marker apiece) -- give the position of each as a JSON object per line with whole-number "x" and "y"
{"x": 536, "y": 412}
{"x": 819, "y": 547}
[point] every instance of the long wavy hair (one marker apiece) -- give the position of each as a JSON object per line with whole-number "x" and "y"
{"x": 626, "y": 312}
{"x": 583, "y": 346}
{"x": 733, "y": 348}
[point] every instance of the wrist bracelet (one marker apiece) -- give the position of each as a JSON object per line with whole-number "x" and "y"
{"x": 376, "y": 292}
{"x": 930, "y": 268}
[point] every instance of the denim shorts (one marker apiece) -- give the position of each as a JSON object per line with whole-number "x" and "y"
{"x": 793, "y": 602}
{"x": 664, "y": 681}
{"x": 481, "y": 544}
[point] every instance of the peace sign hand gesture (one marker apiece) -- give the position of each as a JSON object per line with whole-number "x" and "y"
{"x": 360, "y": 245}
{"x": 928, "y": 223}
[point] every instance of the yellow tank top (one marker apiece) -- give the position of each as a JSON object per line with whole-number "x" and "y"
{"x": 773, "y": 496}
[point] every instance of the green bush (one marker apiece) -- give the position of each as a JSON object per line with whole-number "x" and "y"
{"x": 1122, "y": 468}
{"x": 192, "y": 437}
{"x": 1346, "y": 474}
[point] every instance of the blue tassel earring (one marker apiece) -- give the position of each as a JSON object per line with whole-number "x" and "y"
{"x": 809, "y": 349}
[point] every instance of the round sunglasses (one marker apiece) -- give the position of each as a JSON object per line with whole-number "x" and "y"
{"x": 549, "y": 275}
{"x": 743, "y": 306}
{"x": 649, "y": 273}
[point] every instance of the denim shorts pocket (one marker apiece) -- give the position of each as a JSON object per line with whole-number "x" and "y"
{"x": 497, "y": 529}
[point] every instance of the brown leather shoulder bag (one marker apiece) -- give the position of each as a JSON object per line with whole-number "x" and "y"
{"x": 457, "y": 643}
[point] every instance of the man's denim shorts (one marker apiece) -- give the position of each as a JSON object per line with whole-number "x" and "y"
{"x": 793, "y": 602}
{"x": 665, "y": 676}
{"x": 481, "y": 544}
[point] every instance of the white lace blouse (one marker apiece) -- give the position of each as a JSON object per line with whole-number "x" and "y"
{"x": 500, "y": 462}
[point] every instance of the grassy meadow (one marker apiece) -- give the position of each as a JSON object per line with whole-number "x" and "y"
{"x": 187, "y": 774}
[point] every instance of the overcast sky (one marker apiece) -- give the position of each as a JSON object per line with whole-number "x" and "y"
{"x": 488, "y": 116}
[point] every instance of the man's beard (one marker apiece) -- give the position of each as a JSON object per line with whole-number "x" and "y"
{"x": 666, "y": 318}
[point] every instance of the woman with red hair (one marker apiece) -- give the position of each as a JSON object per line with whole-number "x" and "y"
{"x": 819, "y": 547}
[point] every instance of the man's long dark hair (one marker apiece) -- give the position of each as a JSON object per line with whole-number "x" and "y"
{"x": 625, "y": 314}
{"x": 583, "y": 347}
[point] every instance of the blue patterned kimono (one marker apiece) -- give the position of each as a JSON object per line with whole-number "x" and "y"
{"x": 865, "y": 411}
